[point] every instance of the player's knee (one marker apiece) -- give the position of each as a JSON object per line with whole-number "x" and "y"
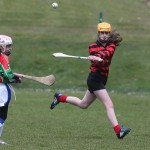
{"x": 3, "y": 118}
{"x": 109, "y": 105}
{"x": 84, "y": 105}
{"x": 1, "y": 125}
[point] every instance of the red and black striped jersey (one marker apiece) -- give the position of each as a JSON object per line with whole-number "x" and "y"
{"x": 104, "y": 52}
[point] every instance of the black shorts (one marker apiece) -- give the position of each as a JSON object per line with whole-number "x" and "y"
{"x": 3, "y": 112}
{"x": 96, "y": 81}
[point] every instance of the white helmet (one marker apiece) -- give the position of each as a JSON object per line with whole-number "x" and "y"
{"x": 4, "y": 41}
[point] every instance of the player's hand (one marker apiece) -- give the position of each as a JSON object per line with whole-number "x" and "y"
{"x": 17, "y": 79}
{"x": 94, "y": 58}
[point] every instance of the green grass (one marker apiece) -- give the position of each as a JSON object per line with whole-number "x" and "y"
{"x": 38, "y": 30}
{"x": 31, "y": 125}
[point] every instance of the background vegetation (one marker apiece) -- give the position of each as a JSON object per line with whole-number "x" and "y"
{"x": 38, "y": 30}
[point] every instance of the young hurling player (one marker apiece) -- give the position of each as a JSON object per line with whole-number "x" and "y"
{"x": 6, "y": 77}
{"x": 103, "y": 48}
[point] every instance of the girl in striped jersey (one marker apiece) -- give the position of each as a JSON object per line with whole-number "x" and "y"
{"x": 6, "y": 77}
{"x": 103, "y": 48}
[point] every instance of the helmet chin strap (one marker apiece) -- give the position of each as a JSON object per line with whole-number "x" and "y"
{"x": 7, "y": 53}
{"x": 3, "y": 51}
{"x": 102, "y": 41}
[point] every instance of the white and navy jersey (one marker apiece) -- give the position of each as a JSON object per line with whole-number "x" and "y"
{"x": 5, "y": 94}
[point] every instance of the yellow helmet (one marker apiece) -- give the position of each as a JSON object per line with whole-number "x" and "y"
{"x": 104, "y": 26}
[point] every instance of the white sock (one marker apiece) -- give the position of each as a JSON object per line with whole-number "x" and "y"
{"x": 1, "y": 129}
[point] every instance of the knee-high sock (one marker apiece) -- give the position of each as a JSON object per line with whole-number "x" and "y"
{"x": 1, "y": 126}
{"x": 1, "y": 129}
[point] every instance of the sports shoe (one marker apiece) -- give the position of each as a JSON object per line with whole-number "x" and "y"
{"x": 3, "y": 143}
{"x": 124, "y": 131}
{"x": 55, "y": 101}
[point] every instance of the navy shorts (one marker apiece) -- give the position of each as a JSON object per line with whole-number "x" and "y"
{"x": 96, "y": 81}
{"x": 3, "y": 112}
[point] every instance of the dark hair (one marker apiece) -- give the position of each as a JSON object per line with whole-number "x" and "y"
{"x": 115, "y": 37}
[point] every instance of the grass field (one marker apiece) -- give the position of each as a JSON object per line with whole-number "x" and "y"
{"x": 38, "y": 31}
{"x": 31, "y": 125}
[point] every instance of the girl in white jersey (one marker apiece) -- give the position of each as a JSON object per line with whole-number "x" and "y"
{"x": 6, "y": 77}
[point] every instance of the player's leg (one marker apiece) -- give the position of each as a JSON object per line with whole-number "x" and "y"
{"x": 5, "y": 97}
{"x": 84, "y": 103}
{"x": 3, "y": 116}
{"x": 106, "y": 100}
{"x": 104, "y": 97}
{"x": 1, "y": 125}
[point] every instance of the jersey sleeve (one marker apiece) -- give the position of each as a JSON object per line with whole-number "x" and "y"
{"x": 6, "y": 72}
{"x": 107, "y": 52}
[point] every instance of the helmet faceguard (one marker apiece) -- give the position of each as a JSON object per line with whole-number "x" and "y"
{"x": 103, "y": 28}
{"x": 5, "y": 44}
